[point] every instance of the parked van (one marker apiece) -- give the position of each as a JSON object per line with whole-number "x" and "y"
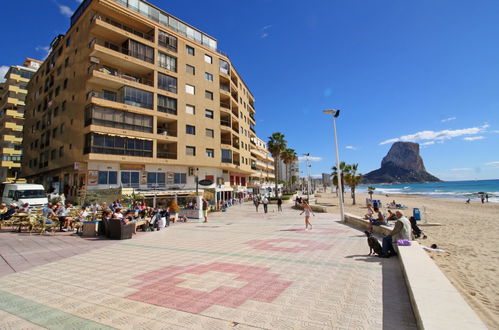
{"x": 21, "y": 193}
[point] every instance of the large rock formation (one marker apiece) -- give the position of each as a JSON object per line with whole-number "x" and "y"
{"x": 402, "y": 164}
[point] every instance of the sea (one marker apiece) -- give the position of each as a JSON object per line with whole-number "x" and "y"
{"x": 457, "y": 190}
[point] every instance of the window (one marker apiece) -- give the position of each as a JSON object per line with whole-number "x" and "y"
{"x": 208, "y": 95}
{"x": 224, "y": 67}
{"x": 66, "y": 62}
{"x": 65, "y": 84}
{"x": 179, "y": 178}
{"x": 208, "y": 76}
{"x": 54, "y": 132}
{"x": 96, "y": 115}
{"x": 190, "y": 69}
{"x": 68, "y": 41}
{"x": 190, "y": 109}
{"x": 167, "y": 40}
{"x": 190, "y": 151}
{"x": 189, "y": 89}
{"x": 61, "y": 152}
{"x": 108, "y": 177}
{"x": 208, "y": 113}
{"x": 167, "y": 104}
{"x": 63, "y": 106}
{"x": 226, "y": 156}
{"x": 210, "y": 133}
{"x": 117, "y": 145}
{"x": 189, "y": 129}
{"x": 189, "y": 50}
{"x": 137, "y": 97}
{"x": 168, "y": 62}
{"x": 138, "y": 50}
{"x": 130, "y": 179}
{"x": 63, "y": 128}
{"x": 52, "y": 154}
{"x": 167, "y": 83}
{"x": 208, "y": 59}
{"x": 156, "y": 179}
{"x": 210, "y": 153}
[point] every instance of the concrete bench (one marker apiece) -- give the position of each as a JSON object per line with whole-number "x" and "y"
{"x": 364, "y": 224}
{"x": 436, "y": 302}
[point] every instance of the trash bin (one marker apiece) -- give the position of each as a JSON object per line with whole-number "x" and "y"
{"x": 90, "y": 228}
{"x": 416, "y": 214}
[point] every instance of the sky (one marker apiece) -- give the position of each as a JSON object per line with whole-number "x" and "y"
{"x": 424, "y": 71}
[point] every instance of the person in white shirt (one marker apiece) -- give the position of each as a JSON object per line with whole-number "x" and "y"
{"x": 402, "y": 230}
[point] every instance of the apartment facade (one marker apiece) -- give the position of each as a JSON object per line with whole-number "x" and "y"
{"x": 288, "y": 171}
{"x": 261, "y": 181}
{"x": 13, "y": 93}
{"x": 133, "y": 97}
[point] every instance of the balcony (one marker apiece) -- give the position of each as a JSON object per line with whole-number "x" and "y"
{"x": 118, "y": 98}
{"x": 130, "y": 60}
{"x": 166, "y": 150}
{"x": 106, "y": 22}
{"x": 14, "y": 113}
{"x": 226, "y": 142}
{"x": 13, "y": 126}
{"x": 166, "y": 128}
{"x": 115, "y": 78}
{"x": 167, "y": 155}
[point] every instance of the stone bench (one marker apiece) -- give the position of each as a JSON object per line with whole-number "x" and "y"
{"x": 435, "y": 301}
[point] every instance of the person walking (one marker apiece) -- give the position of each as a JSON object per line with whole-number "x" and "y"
{"x": 308, "y": 211}
{"x": 265, "y": 203}
{"x": 279, "y": 204}
{"x": 205, "y": 210}
{"x": 256, "y": 202}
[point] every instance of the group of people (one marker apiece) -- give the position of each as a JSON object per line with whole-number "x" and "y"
{"x": 258, "y": 199}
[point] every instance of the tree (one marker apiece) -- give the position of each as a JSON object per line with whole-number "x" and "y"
{"x": 335, "y": 176}
{"x": 352, "y": 178}
{"x": 276, "y": 146}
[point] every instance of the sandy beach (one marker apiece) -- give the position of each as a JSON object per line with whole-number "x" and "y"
{"x": 469, "y": 235}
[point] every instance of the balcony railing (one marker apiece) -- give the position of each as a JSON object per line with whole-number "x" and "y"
{"x": 167, "y": 110}
{"x": 167, "y": 132}
{"x": 225, "y": 123}
{"x": 123, "y": 27}
{"x": 167, "y": 155}
{"x": 227, "y": 160}
{"x": 122, "y": 50}
{"x": 236, "y": 162}
{"x": 118, "y": 98}
{"x": 228, "y": 142}
{"x": 225, "y": 105}
{"x": 225, "y": 88}
{"x": 116, "y": 73}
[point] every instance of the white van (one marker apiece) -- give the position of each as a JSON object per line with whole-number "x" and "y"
{"x": 21, "y": 193}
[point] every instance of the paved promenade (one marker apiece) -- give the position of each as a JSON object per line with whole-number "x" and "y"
{"x": 241, "y": 270}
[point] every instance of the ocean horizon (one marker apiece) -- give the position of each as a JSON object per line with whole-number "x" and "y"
{"x": 456, "y": 190}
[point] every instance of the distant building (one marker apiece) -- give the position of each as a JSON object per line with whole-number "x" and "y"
{"x": 327, "y": 179}
{"x": 293, "y": 171}
{"x": 12, "y": 101}
{"x": 262, "y": 164}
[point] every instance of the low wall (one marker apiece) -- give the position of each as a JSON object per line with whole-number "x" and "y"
{"x": 315, "y": 208}
{"x": 363, "y": 224}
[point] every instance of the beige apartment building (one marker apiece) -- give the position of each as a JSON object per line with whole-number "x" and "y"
{"x": 13, "y": 93}
{"x": 133, "y": 97}
{"x": 262, "y": 164}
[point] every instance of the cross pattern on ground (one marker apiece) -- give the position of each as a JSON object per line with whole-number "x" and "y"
{"x": 207, "y": 276}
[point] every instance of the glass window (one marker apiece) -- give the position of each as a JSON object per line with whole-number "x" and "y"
{"x": 210, "y": 133}
{"x": 167, "y": 104}
{"x": 96, "y": 115}
{"x": 137, "y": 97}
{"x": 130, "y": 179}
{"x": 190, "y": 109}
{"x": 208, "y": 95}
{"x": 189, "y": 89}
{"x": 167, "y": 40}
{"x": 189, "y": 50}
{"x": 167, "y": 83}
{"x": 140, "y": 51}
{"x": 156, "y": 179}
{"x": 210, "y": 153}
{"x": 179, "y": 178}
{"x": 189, "y": 129}
{"x": 224, "y": 67}
{"x": 168, "y": 62}
{"x": 226, "y": 156}
{"x": 108, "y": 177}
{"x": 208, "y": 113}
{"x": 190, "y": 151}
{"x": 208, "y": 76}
{"x": 190, "y": 69}
{"x": 208, "y": 59}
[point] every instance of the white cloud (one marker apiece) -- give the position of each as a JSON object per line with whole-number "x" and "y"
{"x": 493, "y": 164}
{"x": 448, "y": 119}
{"x": 264, "y": 33}
{"x": 44, "y": 49}
{"x": 350, "y": 148}
{"x": 429, "y": 143}
{"x": 474, "y": 138}
{"x": 65, "y": 10}
{"x": 310, "y": 158}
{"x": 3, "y": 71}
{"x": 438, "y": 135}
{"x": 461, "y": 169}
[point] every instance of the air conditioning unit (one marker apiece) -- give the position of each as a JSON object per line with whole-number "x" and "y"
{"x": 94, "y": 60}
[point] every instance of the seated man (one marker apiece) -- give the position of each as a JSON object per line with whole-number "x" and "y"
{"x": 8, "y": 214}
{"x": 402, "y": 230}
{"x": 391, "y": 215}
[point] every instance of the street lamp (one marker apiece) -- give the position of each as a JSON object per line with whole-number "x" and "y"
{"x": 335, "y": 114}
{"x": 308, "y": 176}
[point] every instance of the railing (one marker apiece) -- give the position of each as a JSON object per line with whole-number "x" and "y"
{"x": 228, "y": 142}
{"x": 235, "y": 129}
{"x": 167, "y": 155}
{"x": 227, "y": 160}
{"x": 121, "y": 50}
{"x": 224, "y": 105}
{"x": 167, "y": 132}
{"x": 167, "y": 110}
{"x": 235, "y": 145}
{"x": 225, "y": 88}
{"x": 118, "y": 74}
{"x": 123, "y": 27}
{"x": 225, "y": 123}
{"x": 236, "y": 162}
{"x": 234, "y": 96}
{"x": 117, "y": 98}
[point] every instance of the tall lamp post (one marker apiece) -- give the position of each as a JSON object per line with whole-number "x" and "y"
{"x": 308, "y": 176}
{"x": 335, "y": 114}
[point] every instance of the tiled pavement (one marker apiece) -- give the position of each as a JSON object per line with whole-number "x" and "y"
{"x": 241, "y": 270}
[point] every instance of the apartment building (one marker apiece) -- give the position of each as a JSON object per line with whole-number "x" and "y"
{"x": 262, "y": 164}
{"x": 289, "y": 171}
{"x": 133, "y": 97}
{"x": 13, "y": 93}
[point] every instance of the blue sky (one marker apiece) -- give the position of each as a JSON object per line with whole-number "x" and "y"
{"x": 423, "y": 71}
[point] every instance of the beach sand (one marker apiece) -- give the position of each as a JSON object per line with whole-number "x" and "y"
{"x": 470, "y": 237}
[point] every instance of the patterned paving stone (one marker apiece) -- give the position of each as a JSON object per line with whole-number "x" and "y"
{"x": 242, "y": 270}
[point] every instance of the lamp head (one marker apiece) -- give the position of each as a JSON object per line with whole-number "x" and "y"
{"x": 333, "y": 112}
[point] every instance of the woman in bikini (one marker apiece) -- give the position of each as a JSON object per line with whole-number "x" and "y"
{"x": 308, "y": 211}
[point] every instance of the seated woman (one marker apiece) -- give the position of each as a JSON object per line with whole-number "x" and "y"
{"x": 370, "y": 212}
{"x": 380, "y": 220}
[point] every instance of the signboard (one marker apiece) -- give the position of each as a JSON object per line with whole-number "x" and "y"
{"x": 93, "y": 178}
{"x": 80, "y": 166}
{"x": 132, "y": 167}
{"x": 205, "y": 182}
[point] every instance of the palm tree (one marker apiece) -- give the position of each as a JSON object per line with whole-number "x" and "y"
{"x": 288, "y": 156}
{"x": 343, "y": 168}
{"x": 276, "y": 146}
{"x": 352, "y": 178}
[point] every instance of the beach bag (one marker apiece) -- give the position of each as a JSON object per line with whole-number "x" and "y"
{"x": 403, "y": 242}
